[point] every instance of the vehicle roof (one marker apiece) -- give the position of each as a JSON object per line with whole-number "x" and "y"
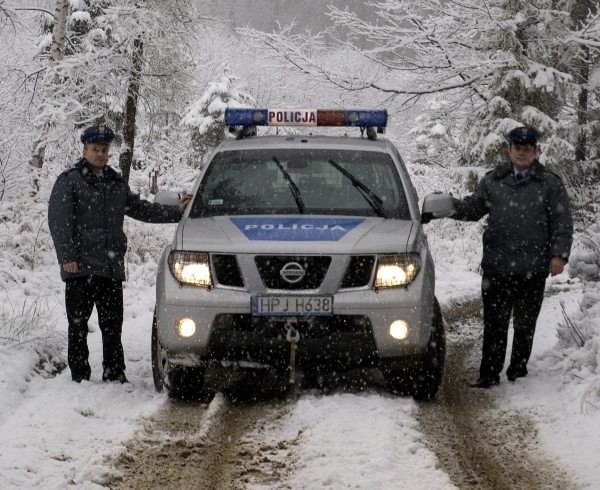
{"x": 304, "y": 141}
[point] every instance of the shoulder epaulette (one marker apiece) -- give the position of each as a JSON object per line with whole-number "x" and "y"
{"x": 553, "y": 173}
{"x": 68, "y": 171}
{"x": 113, "y": 174}
{"x": 543, "y": 169}
{"x": 500, "y": 171}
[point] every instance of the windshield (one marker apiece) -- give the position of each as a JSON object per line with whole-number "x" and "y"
{"x": 292, "y": 181}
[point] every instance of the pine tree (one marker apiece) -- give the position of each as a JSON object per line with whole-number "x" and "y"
{"x": 532, "y": 89}
{"x": 433, "y": 134}
{"x": 204, "y": 119}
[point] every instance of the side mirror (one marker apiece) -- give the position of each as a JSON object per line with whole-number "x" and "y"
{"x": 167, "y": 198}
{"x": 437, "y": 205}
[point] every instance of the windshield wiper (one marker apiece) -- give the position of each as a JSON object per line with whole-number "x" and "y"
{"x": 292, "y": 185}
{"x": 373, "y": 199}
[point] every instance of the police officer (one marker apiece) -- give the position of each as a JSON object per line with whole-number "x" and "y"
{"x": 528, "y": 236}
{"x": 86, "y": 212}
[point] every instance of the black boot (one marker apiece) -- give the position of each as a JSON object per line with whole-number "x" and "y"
{"x": 79, "y": 375}
{"x": 513, "y": 374}
{"x": 110, "y": 375}
{"x": 78, "y": 378}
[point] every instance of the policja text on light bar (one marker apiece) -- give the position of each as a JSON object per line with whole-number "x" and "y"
{"x": 307, "y": 117}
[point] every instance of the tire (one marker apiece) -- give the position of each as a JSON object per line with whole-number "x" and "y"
{"x": 185, "y": 382}
{"x": 159, "y": 361}
{"x": 421, "y": 377}
{"x": 181, "y": 382}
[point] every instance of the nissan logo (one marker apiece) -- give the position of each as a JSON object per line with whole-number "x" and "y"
{"x": 292, "y": 272}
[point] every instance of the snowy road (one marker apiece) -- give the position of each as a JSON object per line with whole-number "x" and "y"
{"x": 304, "y": 440}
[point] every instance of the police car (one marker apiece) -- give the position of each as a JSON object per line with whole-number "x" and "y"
{"x": 299, "y": 252}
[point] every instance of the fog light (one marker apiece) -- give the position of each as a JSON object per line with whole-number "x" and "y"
{"x": 399, "y": 329}
{"x": 186, "y": 327}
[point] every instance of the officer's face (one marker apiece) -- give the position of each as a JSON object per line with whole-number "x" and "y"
{"x": 96, "y": 154}
{"x": 522, "y": 156}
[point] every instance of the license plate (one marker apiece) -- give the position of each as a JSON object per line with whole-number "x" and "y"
{"x": 292, "y": 305}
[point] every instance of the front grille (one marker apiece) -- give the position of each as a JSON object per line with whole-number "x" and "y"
{"x": 315, "y": 267}
{"x": 358, "y": 273}
{"x": 337, "y": 342}
{"x": 274, "y": 328}
{"x": 227, "y": 271}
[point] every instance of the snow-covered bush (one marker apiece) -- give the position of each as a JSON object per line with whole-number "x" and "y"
{"x": 579, "y": 345}
{"x": 30, "y": 286}
{"x": 579, "y": 332}
{"x": 585, "y": 259}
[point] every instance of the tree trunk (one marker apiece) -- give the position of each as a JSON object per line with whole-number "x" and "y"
{"x": 59, "y": 34}
{"x": 582, "y": 77}
{"x": 133, "y": 90}
{"x": 579, "y": 13}
{"x": 59, "y": 31}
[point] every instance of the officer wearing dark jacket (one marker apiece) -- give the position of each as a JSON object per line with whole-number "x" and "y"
{"x": 528, "y": 236}
{"x": 86, "y": 212}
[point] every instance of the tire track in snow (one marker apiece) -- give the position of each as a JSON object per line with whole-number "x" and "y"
{"x": 478, "y": 444}
{"x": 194, "y": 445}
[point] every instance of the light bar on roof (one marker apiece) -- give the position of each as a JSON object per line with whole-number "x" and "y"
{"x": 306, "y": 117}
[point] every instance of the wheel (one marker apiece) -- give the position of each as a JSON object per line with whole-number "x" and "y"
{"x": 400, "y": 378}
{"x": 181, "y": 382}
{"x": 185, "y": 382}
{"x": 421, "y": 377}
{"x": 432, "y": 362}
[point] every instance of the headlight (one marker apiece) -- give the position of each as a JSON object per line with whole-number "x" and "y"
{"x": 396, "y": 270}
{"x": 190, "y": 268}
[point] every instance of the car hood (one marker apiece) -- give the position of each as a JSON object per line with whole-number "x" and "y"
{"x": 298, "y": 234}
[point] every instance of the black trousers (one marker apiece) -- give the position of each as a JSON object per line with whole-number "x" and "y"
{"x": 81, "y": 294}
{"x": 503, "y": 295}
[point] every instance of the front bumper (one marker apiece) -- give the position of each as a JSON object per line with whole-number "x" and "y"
{"x": 356, "y": 335}
{"x": 337, "y": 342}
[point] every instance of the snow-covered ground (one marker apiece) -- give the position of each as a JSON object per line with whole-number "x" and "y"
{"x": 55, "y": 433}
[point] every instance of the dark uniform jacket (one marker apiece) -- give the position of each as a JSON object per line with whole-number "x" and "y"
{"x": 85, "y": 217}
{"x": 529, "y": 221}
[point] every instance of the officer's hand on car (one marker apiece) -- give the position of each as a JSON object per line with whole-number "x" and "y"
{"x": 184, "y": 201}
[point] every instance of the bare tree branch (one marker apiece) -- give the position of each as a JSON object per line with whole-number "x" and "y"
{"x": 37, "y": 10}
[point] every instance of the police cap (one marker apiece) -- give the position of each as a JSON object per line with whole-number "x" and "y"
{"x": 523, "y": 136}
{"x": 98, "y": 134}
